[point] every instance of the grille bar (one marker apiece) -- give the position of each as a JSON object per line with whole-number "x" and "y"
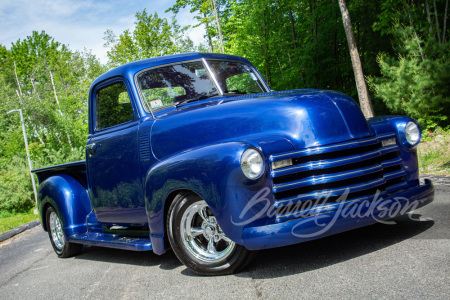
{"x": 330, "y": 192}
{"x": 326, "y": 149}
{"x": 323, "y": 164}
{"x": 315, "y": 180}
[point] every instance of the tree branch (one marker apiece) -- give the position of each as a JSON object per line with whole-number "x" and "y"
{"x": 437, "y": 22}
{"x": 445, "y": 23}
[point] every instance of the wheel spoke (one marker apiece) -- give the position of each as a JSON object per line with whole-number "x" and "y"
{"x": 196, "y": 231}
{"x": 225, "y": 238}
{"x": 211, "y": 247}
{"x": 203, "y": 214}
{"x": 201, "y": 234}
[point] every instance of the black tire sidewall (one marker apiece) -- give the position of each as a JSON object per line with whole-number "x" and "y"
{"x": 58, "y": 251}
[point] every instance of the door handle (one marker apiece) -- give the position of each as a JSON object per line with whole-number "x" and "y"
{"x": 92, "y": 148}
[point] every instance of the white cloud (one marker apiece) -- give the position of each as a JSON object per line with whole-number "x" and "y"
{"x": 184, "y": 18}
{"x": 80, "y": 24}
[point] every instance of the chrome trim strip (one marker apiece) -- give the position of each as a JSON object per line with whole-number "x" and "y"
{"x": 212, "y": 75}
{"x": 371, "y": 184}
{"x": 320, "y": 148}
{"x": 327, "y": 147}
{"x": 329, "y": 177}
{"x": 264, "y": 83}
{"x": 328, "y": 162}
{"x": 386, "y": 136}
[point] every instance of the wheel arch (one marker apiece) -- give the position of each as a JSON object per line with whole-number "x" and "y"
{"x": 195, "y": 172}
{"x": 69, "y": 198}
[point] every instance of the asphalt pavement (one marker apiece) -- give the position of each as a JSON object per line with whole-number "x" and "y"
{"x": 407, "y": 260}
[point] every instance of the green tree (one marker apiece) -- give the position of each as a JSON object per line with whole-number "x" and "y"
{"x": 204, "y": 15}
{"x": 151, "y": 37}
{"x": 50, "y": 84}
{"x": 415, "y": 79}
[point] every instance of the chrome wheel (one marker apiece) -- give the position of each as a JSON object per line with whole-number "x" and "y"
{"x": 202, "y": 235}
{"x": 56, "y": 230}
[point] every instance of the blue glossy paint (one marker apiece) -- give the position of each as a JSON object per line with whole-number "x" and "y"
{"x": 138, "y": 166}
{"x": 306, "y": 118}
{"x": 69, "y": 198}
{"x": 112, "y": 241}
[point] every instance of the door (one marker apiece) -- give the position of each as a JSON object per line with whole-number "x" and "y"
{"x": 113, "y": 157}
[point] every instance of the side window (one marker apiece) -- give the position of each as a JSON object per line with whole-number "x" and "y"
{"x": 113, "y": 106}
{"x": 244, "y": 82}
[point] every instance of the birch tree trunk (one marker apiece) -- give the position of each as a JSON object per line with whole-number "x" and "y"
{"x": 218, "y": 25}
{"x": 59, "y": 109}
{"x": 363, "y": 92}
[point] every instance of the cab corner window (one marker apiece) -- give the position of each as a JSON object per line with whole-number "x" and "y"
{"x": 113, "y": 106}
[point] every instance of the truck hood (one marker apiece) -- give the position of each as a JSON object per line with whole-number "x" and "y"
{"x": 306, "y": 118}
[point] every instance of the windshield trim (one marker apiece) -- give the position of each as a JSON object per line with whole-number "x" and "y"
{"x": 138, "y": 87}
{"x": 245, "y": 63}
{"x": 212, "y": 76}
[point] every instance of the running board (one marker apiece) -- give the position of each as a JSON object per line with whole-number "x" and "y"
{"x": 112, "y": 241}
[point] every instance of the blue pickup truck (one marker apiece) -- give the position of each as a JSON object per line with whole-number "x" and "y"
{"x": 195, "y": 152}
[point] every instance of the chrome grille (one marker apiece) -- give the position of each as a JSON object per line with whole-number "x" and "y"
{"x": 319, "y": 177}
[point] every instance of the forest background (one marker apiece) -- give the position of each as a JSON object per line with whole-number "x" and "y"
{"x": 403, "y": 46}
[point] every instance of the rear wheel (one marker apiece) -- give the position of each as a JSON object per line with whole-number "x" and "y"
{"x": 57, "y": 237}
{"x": 198, "y": 240}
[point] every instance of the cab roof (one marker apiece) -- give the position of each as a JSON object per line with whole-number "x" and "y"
{"x": 128, "y": 70}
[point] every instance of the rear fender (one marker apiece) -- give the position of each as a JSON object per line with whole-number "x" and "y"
{"x": 69, "y": 198}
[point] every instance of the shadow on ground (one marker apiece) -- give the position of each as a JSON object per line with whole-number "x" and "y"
{"x": 167, "y": 261}
{"x": 288, "y": 260}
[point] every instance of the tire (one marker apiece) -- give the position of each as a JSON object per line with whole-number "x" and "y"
{"x": 198, "y": 241}
{"x": 57, "y": 237}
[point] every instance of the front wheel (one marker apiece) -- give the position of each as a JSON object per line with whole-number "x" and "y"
{"x": 57, "y": 237}
{"x": 198, "y": 240}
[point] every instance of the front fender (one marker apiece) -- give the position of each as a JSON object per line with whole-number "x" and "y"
{"x": 397, "y": 124}
{"x": 69, "y": 198}
{"x": 214, "y": 173}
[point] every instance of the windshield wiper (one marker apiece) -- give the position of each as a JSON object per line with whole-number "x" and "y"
{"x": 235, "y": 91}
{"x": 201, "y": 97}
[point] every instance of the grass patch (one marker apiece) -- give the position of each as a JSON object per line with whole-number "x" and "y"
{"x": 434, "y": 153}
{"x": 10, "y": 222}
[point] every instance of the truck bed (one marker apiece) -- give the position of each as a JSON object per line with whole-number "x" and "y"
{"x": 75, "y": 169}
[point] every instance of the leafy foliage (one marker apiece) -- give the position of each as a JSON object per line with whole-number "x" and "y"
{"x": 16, "y": 192}
{"x": 152, "y": 36}
{"x": 415, "y": 82}
{"x": 50, "y": 84}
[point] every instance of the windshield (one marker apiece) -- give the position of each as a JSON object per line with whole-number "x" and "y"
{"x": 181, "y": 83}
{"x": 236, "y": 77}
{"x": 175, "y": 83}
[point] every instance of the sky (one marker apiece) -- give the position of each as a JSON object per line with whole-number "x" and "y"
{"x": 81, "y": 24}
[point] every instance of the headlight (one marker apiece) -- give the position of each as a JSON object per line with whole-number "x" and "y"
{"x": 412, "y": 133}
{"x": 252, "y": 163}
